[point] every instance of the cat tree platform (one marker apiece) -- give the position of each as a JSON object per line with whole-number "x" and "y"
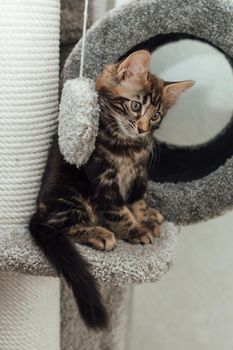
{"x": 126, "y": 264}
{"x": 115, "y": 272}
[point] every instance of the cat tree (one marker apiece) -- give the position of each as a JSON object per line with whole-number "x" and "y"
{"x": 28, "y": 121}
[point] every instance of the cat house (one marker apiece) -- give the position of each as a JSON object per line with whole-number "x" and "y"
{"x": 191, "y": 183}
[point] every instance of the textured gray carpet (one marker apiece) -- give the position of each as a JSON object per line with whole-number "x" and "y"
{"x": 125, "y": 265}
{"x": 76, "y": 336}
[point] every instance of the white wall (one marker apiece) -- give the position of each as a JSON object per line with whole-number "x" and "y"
{"x": 99, "y": 8}
{"x": 204, "y": 110}
{"x": 191, "y": 308}
{"x": 121, "y": 2}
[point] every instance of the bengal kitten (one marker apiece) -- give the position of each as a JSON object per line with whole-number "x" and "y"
{"x": 107, "y": 197}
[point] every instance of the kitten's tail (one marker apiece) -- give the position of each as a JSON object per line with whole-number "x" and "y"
{"x": 68, "y": 262}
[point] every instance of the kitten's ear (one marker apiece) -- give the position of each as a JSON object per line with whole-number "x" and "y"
{"x": 135, "y": 67}
{"x": 172, "y": 90}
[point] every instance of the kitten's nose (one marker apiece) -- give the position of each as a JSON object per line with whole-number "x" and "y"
{"x": 141, "y": 131}
{"x": 142, "y": 126}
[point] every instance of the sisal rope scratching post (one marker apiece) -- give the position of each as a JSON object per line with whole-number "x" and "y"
{"x": 29, "y": 68}
{"x": 30, "y": 312}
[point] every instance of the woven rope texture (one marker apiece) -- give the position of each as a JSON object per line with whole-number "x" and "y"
{"x": 29, "y": 57}
{"x": 30, "y": 312}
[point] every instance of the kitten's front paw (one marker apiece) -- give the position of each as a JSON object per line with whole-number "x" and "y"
{"x": 103, "y": 239}
{"x": 152, "y": 226}
{"x": 155, "y": 215}
{"x": 139, "y": 235}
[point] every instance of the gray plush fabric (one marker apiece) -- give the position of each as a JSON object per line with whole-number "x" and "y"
{"x": 122, "y": 29}
{"x": 75, "y": 334}
{"x": 127, "y": 264}
{"x": 197, "y": 200}
{"x": 72, "y": 20}
{"x": 78, "y": 120}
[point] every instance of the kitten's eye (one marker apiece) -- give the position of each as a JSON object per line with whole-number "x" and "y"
{"x": 136, "y": 106}
{"x": 156, "y": 116}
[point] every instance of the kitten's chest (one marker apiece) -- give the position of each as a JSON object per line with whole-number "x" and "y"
{"x": 128, "y": 170}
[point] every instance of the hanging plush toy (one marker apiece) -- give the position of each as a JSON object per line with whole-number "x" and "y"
{"x": 79, "y": 113}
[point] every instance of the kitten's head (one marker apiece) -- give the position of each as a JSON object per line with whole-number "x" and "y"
{"x": 133, "y": 100}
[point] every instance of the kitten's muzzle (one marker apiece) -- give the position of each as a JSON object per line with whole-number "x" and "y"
{"x": 142, "y": 131}
{"x": 143, "y": 125}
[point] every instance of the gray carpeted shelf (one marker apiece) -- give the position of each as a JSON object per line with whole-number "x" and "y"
{"x": 127, "y": 264}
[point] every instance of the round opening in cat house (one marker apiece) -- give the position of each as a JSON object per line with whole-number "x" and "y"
{"x": 196, "y": 136}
